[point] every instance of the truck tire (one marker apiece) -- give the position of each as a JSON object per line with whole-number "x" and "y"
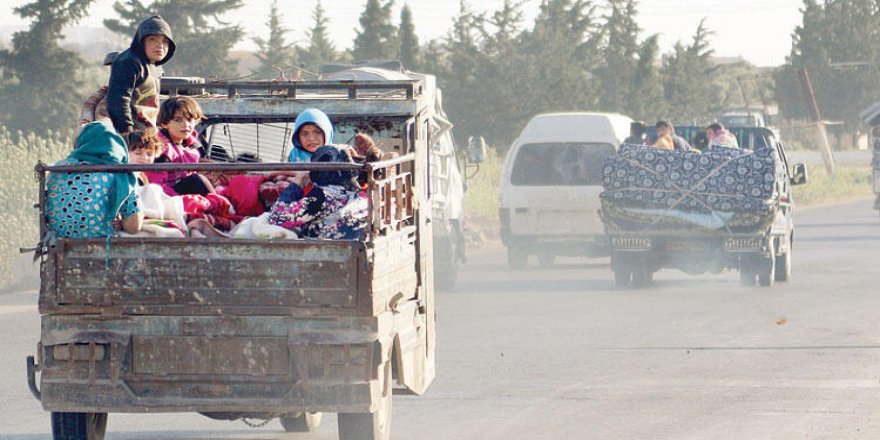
{"x": 747, "y": 277}
{"x": 78, "y": 426}
{"x": 622, "y": 276}
{"x": 304, "y": 422}
{"x": 783, "y": 266}
{"x": 642, "y": 276}
{"x": 446, "y": 274}
{"x": 767, "y": 267}
{"x": 370, "y": 426}
{"x": 517, "y": 258}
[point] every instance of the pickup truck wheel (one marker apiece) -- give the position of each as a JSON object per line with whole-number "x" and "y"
{"x": 783, "y": 267}
{"x": 517, "y": 258}
{"x": 78, "y": 426}
{"x": 622, "y": 277}
{"x": 304, "y": 422}
{"x": 747, "y": 277}
{"x": 767, "y": 268}
{"x": 370, "y": 426}
{"x": 641, "y": 276}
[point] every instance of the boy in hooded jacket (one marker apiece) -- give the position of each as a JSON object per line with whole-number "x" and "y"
{"x": 133, "y": 92}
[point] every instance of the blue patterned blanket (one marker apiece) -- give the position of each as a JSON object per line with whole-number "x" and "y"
{"x": 720, "y": 188}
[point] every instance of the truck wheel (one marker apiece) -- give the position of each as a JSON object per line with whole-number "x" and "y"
{"x": 747, "y": 277}
{"x": 517, "y": 258}
{"x": 546, "y": 260}
{"x": 641, "y": 276}
{"x": 78, "y": 426}
{"x": 622, "y": 276}
{"x": 783, "y": 267}
{"x": 767, "y": 268}
{"x": 304, "y": 422}
{"x": 370, "y": 426}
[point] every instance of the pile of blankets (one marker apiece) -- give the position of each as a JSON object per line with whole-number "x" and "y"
{"x": 722, "y": 188}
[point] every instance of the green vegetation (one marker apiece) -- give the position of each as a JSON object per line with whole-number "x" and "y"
{"x": 18, "y": 192}
{"x": 847, "y": 183}
{"x": 481, "y": 198}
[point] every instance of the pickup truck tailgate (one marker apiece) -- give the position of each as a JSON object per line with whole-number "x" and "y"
{"x": 240, "y": 276}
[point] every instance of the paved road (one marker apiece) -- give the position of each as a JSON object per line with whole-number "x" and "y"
{"x": 561, "y": 354}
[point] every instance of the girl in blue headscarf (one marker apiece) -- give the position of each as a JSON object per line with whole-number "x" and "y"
{"x": 83, "y": 205}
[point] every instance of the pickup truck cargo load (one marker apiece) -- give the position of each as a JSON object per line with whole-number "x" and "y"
{"x": 721, "y": 209}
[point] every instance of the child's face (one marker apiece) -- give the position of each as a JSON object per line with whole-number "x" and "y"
{"x": 142, "y": 156}
{"x": 156, "y": 47}
{"x": 311, "y": 137}
{"x": 179, "y": 127}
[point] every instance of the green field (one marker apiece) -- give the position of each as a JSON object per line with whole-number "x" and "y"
{"x": 18, "y": 192}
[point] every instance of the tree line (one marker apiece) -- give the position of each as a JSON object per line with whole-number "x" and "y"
{"x": 496, "y": 69}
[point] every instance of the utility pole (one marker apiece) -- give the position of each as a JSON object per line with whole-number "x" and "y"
{"x": 821, "y": 134}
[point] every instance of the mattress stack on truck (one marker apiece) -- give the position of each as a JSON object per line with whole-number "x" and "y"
{"x": 647, "y": 188}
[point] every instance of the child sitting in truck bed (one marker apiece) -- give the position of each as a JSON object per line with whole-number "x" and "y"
{"x": 83, "y": 205}
{"x": 178, "y": 117}
{"x": 336, "y": 207}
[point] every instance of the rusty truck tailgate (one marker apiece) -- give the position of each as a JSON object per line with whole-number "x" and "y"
{"x": 142, "y": 276}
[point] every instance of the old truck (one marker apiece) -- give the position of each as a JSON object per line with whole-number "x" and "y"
{"x": 721, "y": 209}
{"x": 248, "y": 328}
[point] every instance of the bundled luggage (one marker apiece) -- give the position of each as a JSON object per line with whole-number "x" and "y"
{"x": 719, "y": 189}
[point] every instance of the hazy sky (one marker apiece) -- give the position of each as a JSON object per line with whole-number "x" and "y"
{"x": 758, "y": 30}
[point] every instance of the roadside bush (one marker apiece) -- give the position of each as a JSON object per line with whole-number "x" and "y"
{"x": 481, "y": 198}
{"x": 19, "y": 191}
{"x": 847, "y": 183}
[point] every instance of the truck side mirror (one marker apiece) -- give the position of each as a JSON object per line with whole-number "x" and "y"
{"x": 799, "y": 177}
{"x": 476, "y": 149}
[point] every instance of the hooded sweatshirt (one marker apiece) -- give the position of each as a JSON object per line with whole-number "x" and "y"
{"x": 133, "y": 95}
{"x": 310, "y": 116}
{"x": 85, "y": 204}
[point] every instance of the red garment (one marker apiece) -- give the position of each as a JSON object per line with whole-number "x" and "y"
{"x": 244, "y": 193}
{"x": 173, "y": 153}
{"x": 214, "y": 208}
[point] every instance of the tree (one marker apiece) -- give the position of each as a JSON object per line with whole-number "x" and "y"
{"x": 558, "y": 55}
{"x": 689, "y": 85}
{"x": 203, "y": 40}
{"x": 41, "y": 83}
{"x": 321, "y": 50}
{"x": 459, "y": 78}
{"x": 616, "y": 75}
{"x": 276, "y": 55}
{"x": 408, "y": 54}
{"x": 377, "y": 38}
{"x": 838, "y": 43}
{"x": 645, "y": 98}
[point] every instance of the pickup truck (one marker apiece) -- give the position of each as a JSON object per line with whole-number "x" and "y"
{"x": 701, "y": 212}
{"x": 247, "y": 328}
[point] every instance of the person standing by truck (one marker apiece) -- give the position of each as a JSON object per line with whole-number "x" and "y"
{"x": 133, "y": 91}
